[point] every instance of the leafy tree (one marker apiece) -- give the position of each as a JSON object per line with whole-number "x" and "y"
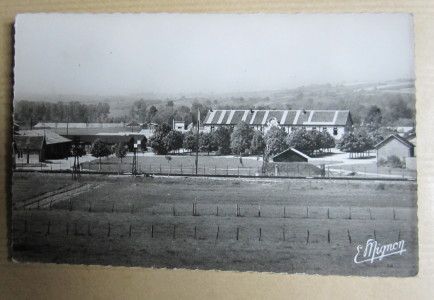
{"x": 120, "y": 150}
{"x": 357, "y": 141}
{"x": 152, "y": 112}
{"x": 173, "y": 140}
{"x": 222, "y": 139}
{"x": 381, "y": 133}
{"x": 373, "y": 117}
{"x": 100, "y": 149}
{"x": 399, "y": 109}
{"x": 190, "y": 141}
{"x": 275, "y": 140}
{"x": 139, "y": 111}
{"x": 130, "y": 144}
{"x": 206, "y": 143}
{"x": 304, "y": 140}
{"x": 157, "y": 141}
{"x": 241, "y": 138}
{"x": 257, "y": 145}
{"x": 143, "y": 144}
{"x": 327, "y": 141}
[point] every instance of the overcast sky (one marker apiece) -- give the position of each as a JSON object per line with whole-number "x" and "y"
{"x": 122, "y": 54}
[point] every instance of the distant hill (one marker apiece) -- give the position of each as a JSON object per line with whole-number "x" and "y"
{"x": 355, "y": 96}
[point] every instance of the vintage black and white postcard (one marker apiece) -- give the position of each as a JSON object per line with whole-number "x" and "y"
{"x": 247, "y": 142}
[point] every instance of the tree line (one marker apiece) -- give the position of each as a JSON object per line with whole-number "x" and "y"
{"x": 244, "y": 140}
{"x": 240, "y": 140}
{"x": 165, "y": 112}
{"x": 29, "y": 113}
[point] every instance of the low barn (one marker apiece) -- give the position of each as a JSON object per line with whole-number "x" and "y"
{"x": 291, "y": 155}
{"x": 394, "y": 145}
{"x": 55, "y": 145}
{"x": 29, "y": 149}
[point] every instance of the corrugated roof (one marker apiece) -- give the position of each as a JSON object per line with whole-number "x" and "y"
{"x": 50, "y": 136}
{"x": 283, "y": 117}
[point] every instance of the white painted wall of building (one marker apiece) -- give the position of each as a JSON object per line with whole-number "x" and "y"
{"x": 288, "y": 129}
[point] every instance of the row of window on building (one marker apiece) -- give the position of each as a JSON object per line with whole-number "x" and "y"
{"x": 287, "y": 129}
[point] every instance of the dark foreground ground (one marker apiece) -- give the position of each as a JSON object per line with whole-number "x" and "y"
{"x": 282, "y": 225}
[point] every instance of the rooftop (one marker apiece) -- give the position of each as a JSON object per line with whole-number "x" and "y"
{"x": 283, "y": 117}
{"x": 397, "y": 137}
{"x": 50, "y": 136}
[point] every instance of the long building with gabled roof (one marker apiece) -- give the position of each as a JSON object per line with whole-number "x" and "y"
{"x": 336, "y": 122}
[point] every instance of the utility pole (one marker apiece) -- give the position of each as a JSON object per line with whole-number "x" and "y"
{"x": 136, "y": 145}
{"x": 197, "y": 140}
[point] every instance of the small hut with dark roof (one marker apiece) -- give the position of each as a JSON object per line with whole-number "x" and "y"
{"x": 394, "y": 145}
{"x": 291, "y": 155}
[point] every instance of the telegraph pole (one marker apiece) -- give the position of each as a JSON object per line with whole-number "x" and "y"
{"x": 136, "y": 145}
{"x": 197, "y": 140}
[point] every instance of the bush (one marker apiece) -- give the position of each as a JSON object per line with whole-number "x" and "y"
{"x": 381, "y": 187}
{"x": 394, "y": 161}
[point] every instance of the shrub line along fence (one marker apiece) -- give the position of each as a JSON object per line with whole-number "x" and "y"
{"x": 288, "y": 176}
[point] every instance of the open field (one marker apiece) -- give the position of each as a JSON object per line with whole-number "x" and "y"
{"x": 280, "y": 225}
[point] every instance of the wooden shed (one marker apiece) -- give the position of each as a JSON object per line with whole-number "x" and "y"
{"x": 291, "y": 155}
{"x": 394, "y": 145}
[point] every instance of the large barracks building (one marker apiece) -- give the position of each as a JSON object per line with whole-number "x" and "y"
{"x": 336, "y": 122}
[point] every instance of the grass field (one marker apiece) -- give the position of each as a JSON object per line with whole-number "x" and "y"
{"x": 280, "y": 225}
{"x": 180, "y": 164}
